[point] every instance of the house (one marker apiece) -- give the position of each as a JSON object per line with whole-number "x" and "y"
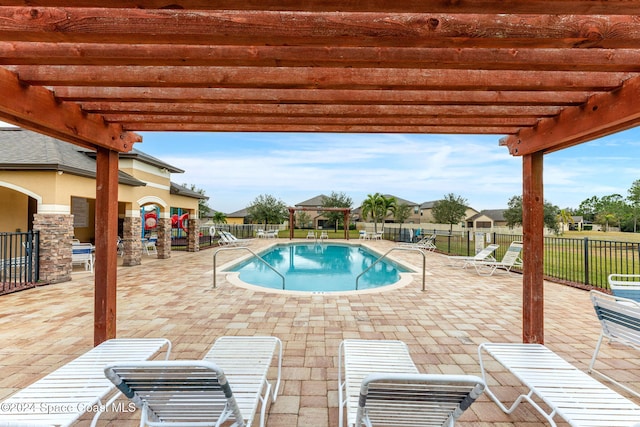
{"x": 426, "y": 212}
{"x": 486, "y": 219}
{"x": 48, "y": 185}
{"x": 311, "y": 218}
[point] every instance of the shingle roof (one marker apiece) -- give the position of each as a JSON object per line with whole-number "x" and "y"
{"x": 493, "y": 214}
{"x": 184, "y": 191}
{"x": 313, "y": 202}
{"x": 26, "y": 150}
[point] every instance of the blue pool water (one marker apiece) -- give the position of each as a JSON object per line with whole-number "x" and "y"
{"x": 319, "y": 267}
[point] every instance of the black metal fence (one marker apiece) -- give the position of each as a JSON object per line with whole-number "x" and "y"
{"x": 584, "y": 262}
{"x": 20, "y": 261}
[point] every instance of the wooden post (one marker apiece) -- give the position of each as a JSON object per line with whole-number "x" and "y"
{"x": 106, "y": 245}
{"x": 533, "y": 248}
{"x": 346, "y": 224}
{"x": 291, "y": 222}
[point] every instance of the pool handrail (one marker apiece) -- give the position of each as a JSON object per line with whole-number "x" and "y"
{"x": 424, "y": 262}
{"x": 254, "y": 254}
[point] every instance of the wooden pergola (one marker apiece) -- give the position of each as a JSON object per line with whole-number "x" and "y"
{"x": 345, "y": 218}
{"x": 545, "y": 75}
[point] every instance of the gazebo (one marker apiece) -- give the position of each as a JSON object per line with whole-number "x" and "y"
{"x": 544, "y": 75}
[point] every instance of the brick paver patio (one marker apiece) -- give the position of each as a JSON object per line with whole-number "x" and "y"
{"x": 43, "y": 328}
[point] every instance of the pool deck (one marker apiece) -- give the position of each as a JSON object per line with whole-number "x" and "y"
{"x": 45, "y": 327}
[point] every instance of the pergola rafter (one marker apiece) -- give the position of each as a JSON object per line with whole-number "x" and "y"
{"x": 542, "y": 74}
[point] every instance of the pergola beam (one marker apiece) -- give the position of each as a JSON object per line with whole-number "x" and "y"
{"x": 539, "y": 59}
{"x": 313, "y": 96}
{"x": 625, "y": 7}
{"x": 37, "y": 109}
{"x": 318, "y": 78}
{"x": 603, "y": 114}
{"x": 285, "y": 28}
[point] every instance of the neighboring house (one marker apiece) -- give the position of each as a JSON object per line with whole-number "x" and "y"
{"x": 486, "y": 219}
{"x": 316, "y": 218}
{"x": 238, "y": 217}
{"x": 426, "y": 212}
{"x": 49, "y": 185}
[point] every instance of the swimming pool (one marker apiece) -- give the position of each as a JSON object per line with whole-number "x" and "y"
{"x": 319, "y": 267}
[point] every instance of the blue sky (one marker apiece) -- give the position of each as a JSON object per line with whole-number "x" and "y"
{"x": 235, "y": 168}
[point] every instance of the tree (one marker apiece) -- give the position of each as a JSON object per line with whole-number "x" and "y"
{"x": 565, "y": 217}
{"x": 303, "y": 219}
{"x": 401, "y": 214}
{"x": 219, "y": 218}
{"x": 378, "y": 207}
{"x": 336, "y": 200}
{"x": 450, "y": 210}
{"x": 266, "y": 209}
{"x": 513, "y": 214}
{"x": 634, "y": 199}
{"x": 611, "y": 211}
{"x": 203, "y": 208}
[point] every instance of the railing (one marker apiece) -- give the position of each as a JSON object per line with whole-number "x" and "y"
{"x": 424, "y": 261}
{"x": 19, "y": 261}
{"x": 247, "y": 249}
{"x": 583, "y": 262}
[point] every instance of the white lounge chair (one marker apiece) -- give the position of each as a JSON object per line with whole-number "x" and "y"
{"x": 228, "y": 385}
{"x": 82, "y": 253}
{"x": 311, "y": 234}
{"x": 427, "y": 243}
{"x": 510, "y": 259}
{"x": 324, "y": 235}
{"x": 625, "y": 285}
{"x": 485, "y": 254}
{"x": 378, "y": 384}
{"x": 557, "y": 388}
{"x": 64, "y": 395}
{"x": 620, "y": 321}
{"x": 226, "y": 238}
{"x": 362, "y": 235}
{"x": 246, "y": 362}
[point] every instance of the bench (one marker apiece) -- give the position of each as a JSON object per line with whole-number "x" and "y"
{"x": 625, "y": 285}
{"x": 620, "y": 321}
{"x": 63, "y": 396}
{"x": 557, "y": 388}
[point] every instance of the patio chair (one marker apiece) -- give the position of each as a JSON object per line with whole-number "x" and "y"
{"x": 378, "y": 384}
{"x": 149, "y": 245}
{"x": 66, "y": 394}
{"x": 362, "y": 235}
{"x": 271, "y": 234}
{"x": 231, "y": 382}
{"x": 485, "y": 254}
{"x": 427, "y": 243}
{"x": 246, "y": 361}
{"x": 554, "y": 387}
{"x": 510, "y": 259}
{"x": 625, "y": 285}
{"x": 82, "y": 253}
{"x": 311, "y": 234}
{"x": 620, "y": 323}
{"x": 232, "y": 240}
{"x": 324, "y": 235}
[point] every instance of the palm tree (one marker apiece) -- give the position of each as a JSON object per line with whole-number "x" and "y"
{"x": 378, "y": 206}
{"x": 565, "y": 218}
{"x": 219, "y": 218}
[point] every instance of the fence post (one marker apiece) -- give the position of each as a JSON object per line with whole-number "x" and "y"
{"x": 586, "y": 260}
